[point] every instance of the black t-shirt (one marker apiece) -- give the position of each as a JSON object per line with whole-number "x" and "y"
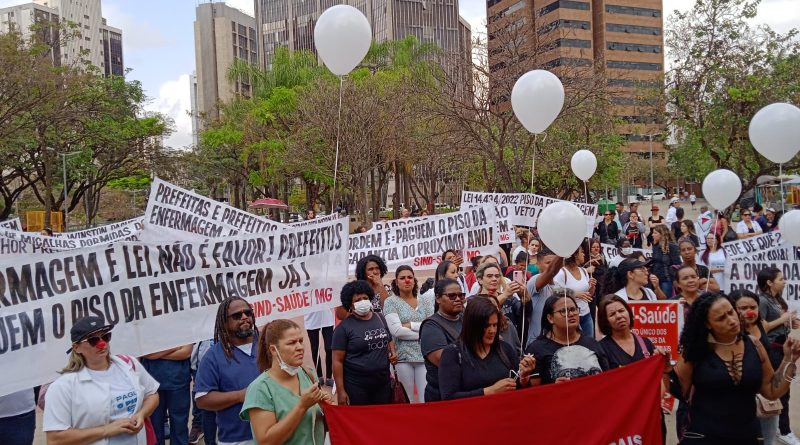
{"x": 366, "y": 346}
{"x": 554, "y": 360}
{"x": 463, "y": 374}
{"x": 436, "y": 333}
{"x": 617, "y": 357}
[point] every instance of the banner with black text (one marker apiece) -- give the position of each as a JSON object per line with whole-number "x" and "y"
{"x": 159, "y": 296}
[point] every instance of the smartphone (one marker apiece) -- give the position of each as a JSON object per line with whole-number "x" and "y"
{"x": 519, "y": 276}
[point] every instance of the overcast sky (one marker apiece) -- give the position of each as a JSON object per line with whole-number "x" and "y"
{"x": 158, "y": 39}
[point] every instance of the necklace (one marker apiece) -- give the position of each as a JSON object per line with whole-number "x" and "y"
{"x": 713, "y": 340}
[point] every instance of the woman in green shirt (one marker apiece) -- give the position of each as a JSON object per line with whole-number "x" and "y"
{"x": 282, "y": 403}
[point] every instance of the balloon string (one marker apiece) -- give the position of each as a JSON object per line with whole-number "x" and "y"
{"x": 338, "y": 128}
{"x": 783, "y": 196}
{"x": 714, "y": 230}
{"x": 533, "y": 160}
{"x": 566, "y": 314}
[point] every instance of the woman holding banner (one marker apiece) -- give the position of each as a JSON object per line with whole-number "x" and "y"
{"x": 99, "y": 398}
{"x": 721, "y": 370}
{"x": 665, "y": 255}
{"x": 778, "y": 322}
{"x": 480, "y": 363}
{"x": 404, "y": 313}
{"x": 282, "y": 404}
{"x": 562, "y": 351}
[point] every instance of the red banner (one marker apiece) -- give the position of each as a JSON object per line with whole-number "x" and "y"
{"x": 660, "y": 321}
{"x": 618, "y": 407}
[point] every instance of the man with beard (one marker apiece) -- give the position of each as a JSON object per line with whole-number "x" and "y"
{"x": 227, "y": 369}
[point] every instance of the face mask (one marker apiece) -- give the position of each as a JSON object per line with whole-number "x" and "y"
{"x": 627, "y": 250}
{"x": 291, "y": 370}
{"x": 362, "y": 307}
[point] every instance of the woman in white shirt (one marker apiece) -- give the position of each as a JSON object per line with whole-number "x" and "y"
{"x": 747, "y": 228}
{"x": 572, "y": 276}
{"x": 629, "y": 281}
{"x": 99, "y": 399}
{"x": 714, "y": 258}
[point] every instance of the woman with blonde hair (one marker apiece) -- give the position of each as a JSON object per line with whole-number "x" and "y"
{"x": 99, "y": 398}
{"x": 282, "y": 404}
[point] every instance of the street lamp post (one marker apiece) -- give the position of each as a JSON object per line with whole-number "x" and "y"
{"x": 66, "y": 208}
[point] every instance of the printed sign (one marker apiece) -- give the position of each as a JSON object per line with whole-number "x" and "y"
{"x": 11, "y": 224}
{"x": 660, "y": 321}
{"x": 159, "y": 295}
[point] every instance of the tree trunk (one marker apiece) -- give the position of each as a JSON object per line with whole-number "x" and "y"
{"x": 397, "y": 190}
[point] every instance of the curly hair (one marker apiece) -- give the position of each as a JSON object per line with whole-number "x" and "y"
{"x": 666, "y": 237}
{"x": 353, "y": 288}
{"x": 221, "y": 334}
{"x": 694, "y": 338}
{"x": 396, "y": 289}
{"x": 361, "y": 266}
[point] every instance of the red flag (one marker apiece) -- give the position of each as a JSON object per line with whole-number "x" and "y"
{"x": 618, "y": 407}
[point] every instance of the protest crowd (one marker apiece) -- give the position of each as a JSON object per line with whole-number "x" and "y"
{"x": 495, "y": 317}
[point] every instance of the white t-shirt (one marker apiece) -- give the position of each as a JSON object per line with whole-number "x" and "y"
{"x": 649, "y": 295}
{"x": 717, "y": 260}
{"x": 123, "y": 399}
{"x": 17, "y": 403}
{"x": 742, "y": 227}
{"x": 565, "y": 279}
{"x": 672, "y": 215}
{"x": 319, "y": 319}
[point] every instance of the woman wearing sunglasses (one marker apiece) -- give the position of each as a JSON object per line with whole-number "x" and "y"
{"x": 440, "y": 330}
{"x": 99, "y": 398}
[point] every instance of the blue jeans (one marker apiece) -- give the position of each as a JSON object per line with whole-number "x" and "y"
{"x": 177, "y": 403}
{"x": 19, "y": 429}
{"x": 587, "y": 325}
{"x": 666, "y": 287}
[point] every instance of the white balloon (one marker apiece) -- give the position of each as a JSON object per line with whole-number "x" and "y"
{"x": 342, "y": 36}
{"x": 562, "y": 228}
{"x": 790, "y": 227}
{"x": 722, "y": 188}
{"x": 584, "y": 164}
{"x": 537, "y": 98}
{"x": 775, "y": 132}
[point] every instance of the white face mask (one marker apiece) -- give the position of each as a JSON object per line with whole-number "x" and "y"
{"x": 291, "y": 370}
{"x": 627, "y": 250}
{"x": 362, "y": 307}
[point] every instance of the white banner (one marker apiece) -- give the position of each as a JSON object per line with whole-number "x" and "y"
{"x": 520, "y": 209}
{"x": 319, "y": 220}
{"x": 14, "y": 243}
{"x": 11, "y": 224}
{"x": 742, "y": 274}
{"x": 610, "y": 251}
{"x": 159, "y": 296}
{"x": 758, "y": 244}
{"x": 176, "y": 211}
{"x": 420, "y": 242}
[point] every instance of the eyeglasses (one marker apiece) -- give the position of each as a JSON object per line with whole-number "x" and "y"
{"x": 565, "y": 311}
{"x": 608, "y": 214}
{"x": 238, "y": 315}
{"x": 746, "y": 214}
{"x": 453, "y": 296}
{"x": 93, "y": 340}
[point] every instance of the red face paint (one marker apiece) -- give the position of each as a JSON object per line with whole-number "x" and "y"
{"x": 101, "y": 344}
{"x": 750, "y": 313}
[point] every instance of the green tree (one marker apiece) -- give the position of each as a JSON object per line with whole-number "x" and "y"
{"x": 723, "y": 71}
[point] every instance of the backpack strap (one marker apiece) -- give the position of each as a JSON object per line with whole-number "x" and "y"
{"x": 439, "y": 321}
{"x": 642, "y": 345}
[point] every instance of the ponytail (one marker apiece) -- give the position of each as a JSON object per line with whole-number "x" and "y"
{"x": 270, "y": 334}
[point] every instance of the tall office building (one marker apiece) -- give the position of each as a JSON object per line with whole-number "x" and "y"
{"x": 94, "y": 41}
{"x": 290, "y": 23}
{"x": 623, "y": 37}
{"x": 222, "y": 35}
{"x": 20, "y": 18}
